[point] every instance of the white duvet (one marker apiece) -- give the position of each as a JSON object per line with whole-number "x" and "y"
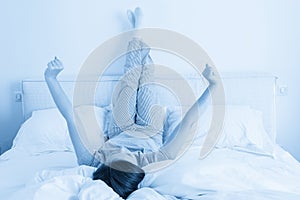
{"x": 80, "y": 187}
{"x": 244, "y": 165}
{"x": 65, "y": 183}
{"x": 225, "y": 174}
{"x": 227, "y": 171}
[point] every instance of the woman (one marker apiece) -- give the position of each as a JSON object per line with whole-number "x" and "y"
{"x": 135, "y": 133}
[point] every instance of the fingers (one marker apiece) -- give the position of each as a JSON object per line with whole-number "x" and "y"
{"x": 55, "y": 64}
{"x": 208, "y": 71}
{"x": 50, "y": 64}
{"x": 54, "y": 68}
{"x": 58, "y": 63}
{"x": 209, "y": 74}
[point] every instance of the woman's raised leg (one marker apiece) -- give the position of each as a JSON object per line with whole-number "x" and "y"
{"x": 125, "y": 94}
{"x": 149, "y": 113}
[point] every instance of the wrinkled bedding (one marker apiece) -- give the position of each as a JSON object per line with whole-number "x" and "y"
{"x": 245, "y": 164}
{"x": 224, "y": 174}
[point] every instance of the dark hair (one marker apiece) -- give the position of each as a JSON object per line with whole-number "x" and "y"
{"x": 122, "y": 176}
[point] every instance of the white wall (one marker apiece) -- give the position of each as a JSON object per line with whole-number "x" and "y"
{"x": 238, "y": 35}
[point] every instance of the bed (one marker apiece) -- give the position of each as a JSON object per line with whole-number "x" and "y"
{"x": 246, "y": 163}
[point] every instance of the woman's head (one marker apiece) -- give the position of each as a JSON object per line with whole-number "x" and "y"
{"x": 122, "y": 176}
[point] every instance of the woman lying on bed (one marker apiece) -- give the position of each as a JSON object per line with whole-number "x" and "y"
{"x": 135, "y": 133}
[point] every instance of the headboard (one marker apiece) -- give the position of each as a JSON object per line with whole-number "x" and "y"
{"x": 256, "y": 90}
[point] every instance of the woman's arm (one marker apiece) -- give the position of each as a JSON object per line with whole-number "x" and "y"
{"x": 65, "y": 107}
{"x": 184, "y": 130}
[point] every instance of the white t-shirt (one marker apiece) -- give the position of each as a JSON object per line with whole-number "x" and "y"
{"x": 126, "y": 146}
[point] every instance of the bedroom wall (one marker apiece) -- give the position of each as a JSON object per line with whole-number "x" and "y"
{"x": 249, "y": 35}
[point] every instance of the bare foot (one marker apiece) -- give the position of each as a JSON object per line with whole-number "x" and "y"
{"x": 135, "y": 17}
{"x": 138, "y": 17}
{"x": 131, "y": 18}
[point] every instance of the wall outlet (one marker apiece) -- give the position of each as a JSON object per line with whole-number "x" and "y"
{"x": 282, "y": 90}
{"x": 18, "y": 96}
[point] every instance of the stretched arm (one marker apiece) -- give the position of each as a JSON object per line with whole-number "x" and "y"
{"x": 188, "y": 125}
{"x": 65, "y": 107}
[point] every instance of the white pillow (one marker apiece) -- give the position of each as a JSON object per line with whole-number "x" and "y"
{"x": 174, "y": 115}
{"x": 243, "y": 128}
{"x": 46, "y": 130}
{"x": 234, "y": 129}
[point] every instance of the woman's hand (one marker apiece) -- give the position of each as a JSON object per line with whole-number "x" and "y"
{"x": 54, "y": 68}
{"x": 210, "y": 75}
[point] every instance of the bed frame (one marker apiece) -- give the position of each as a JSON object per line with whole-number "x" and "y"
{"x": 256, "y": 90}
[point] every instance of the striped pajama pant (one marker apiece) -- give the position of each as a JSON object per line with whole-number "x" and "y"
{"x": 134, "y": 104}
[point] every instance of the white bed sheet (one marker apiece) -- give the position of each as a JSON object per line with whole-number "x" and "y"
{"x": 227, "y": 171}
{"x": 18, "y": 167}
{"x": 225, "y": 174}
